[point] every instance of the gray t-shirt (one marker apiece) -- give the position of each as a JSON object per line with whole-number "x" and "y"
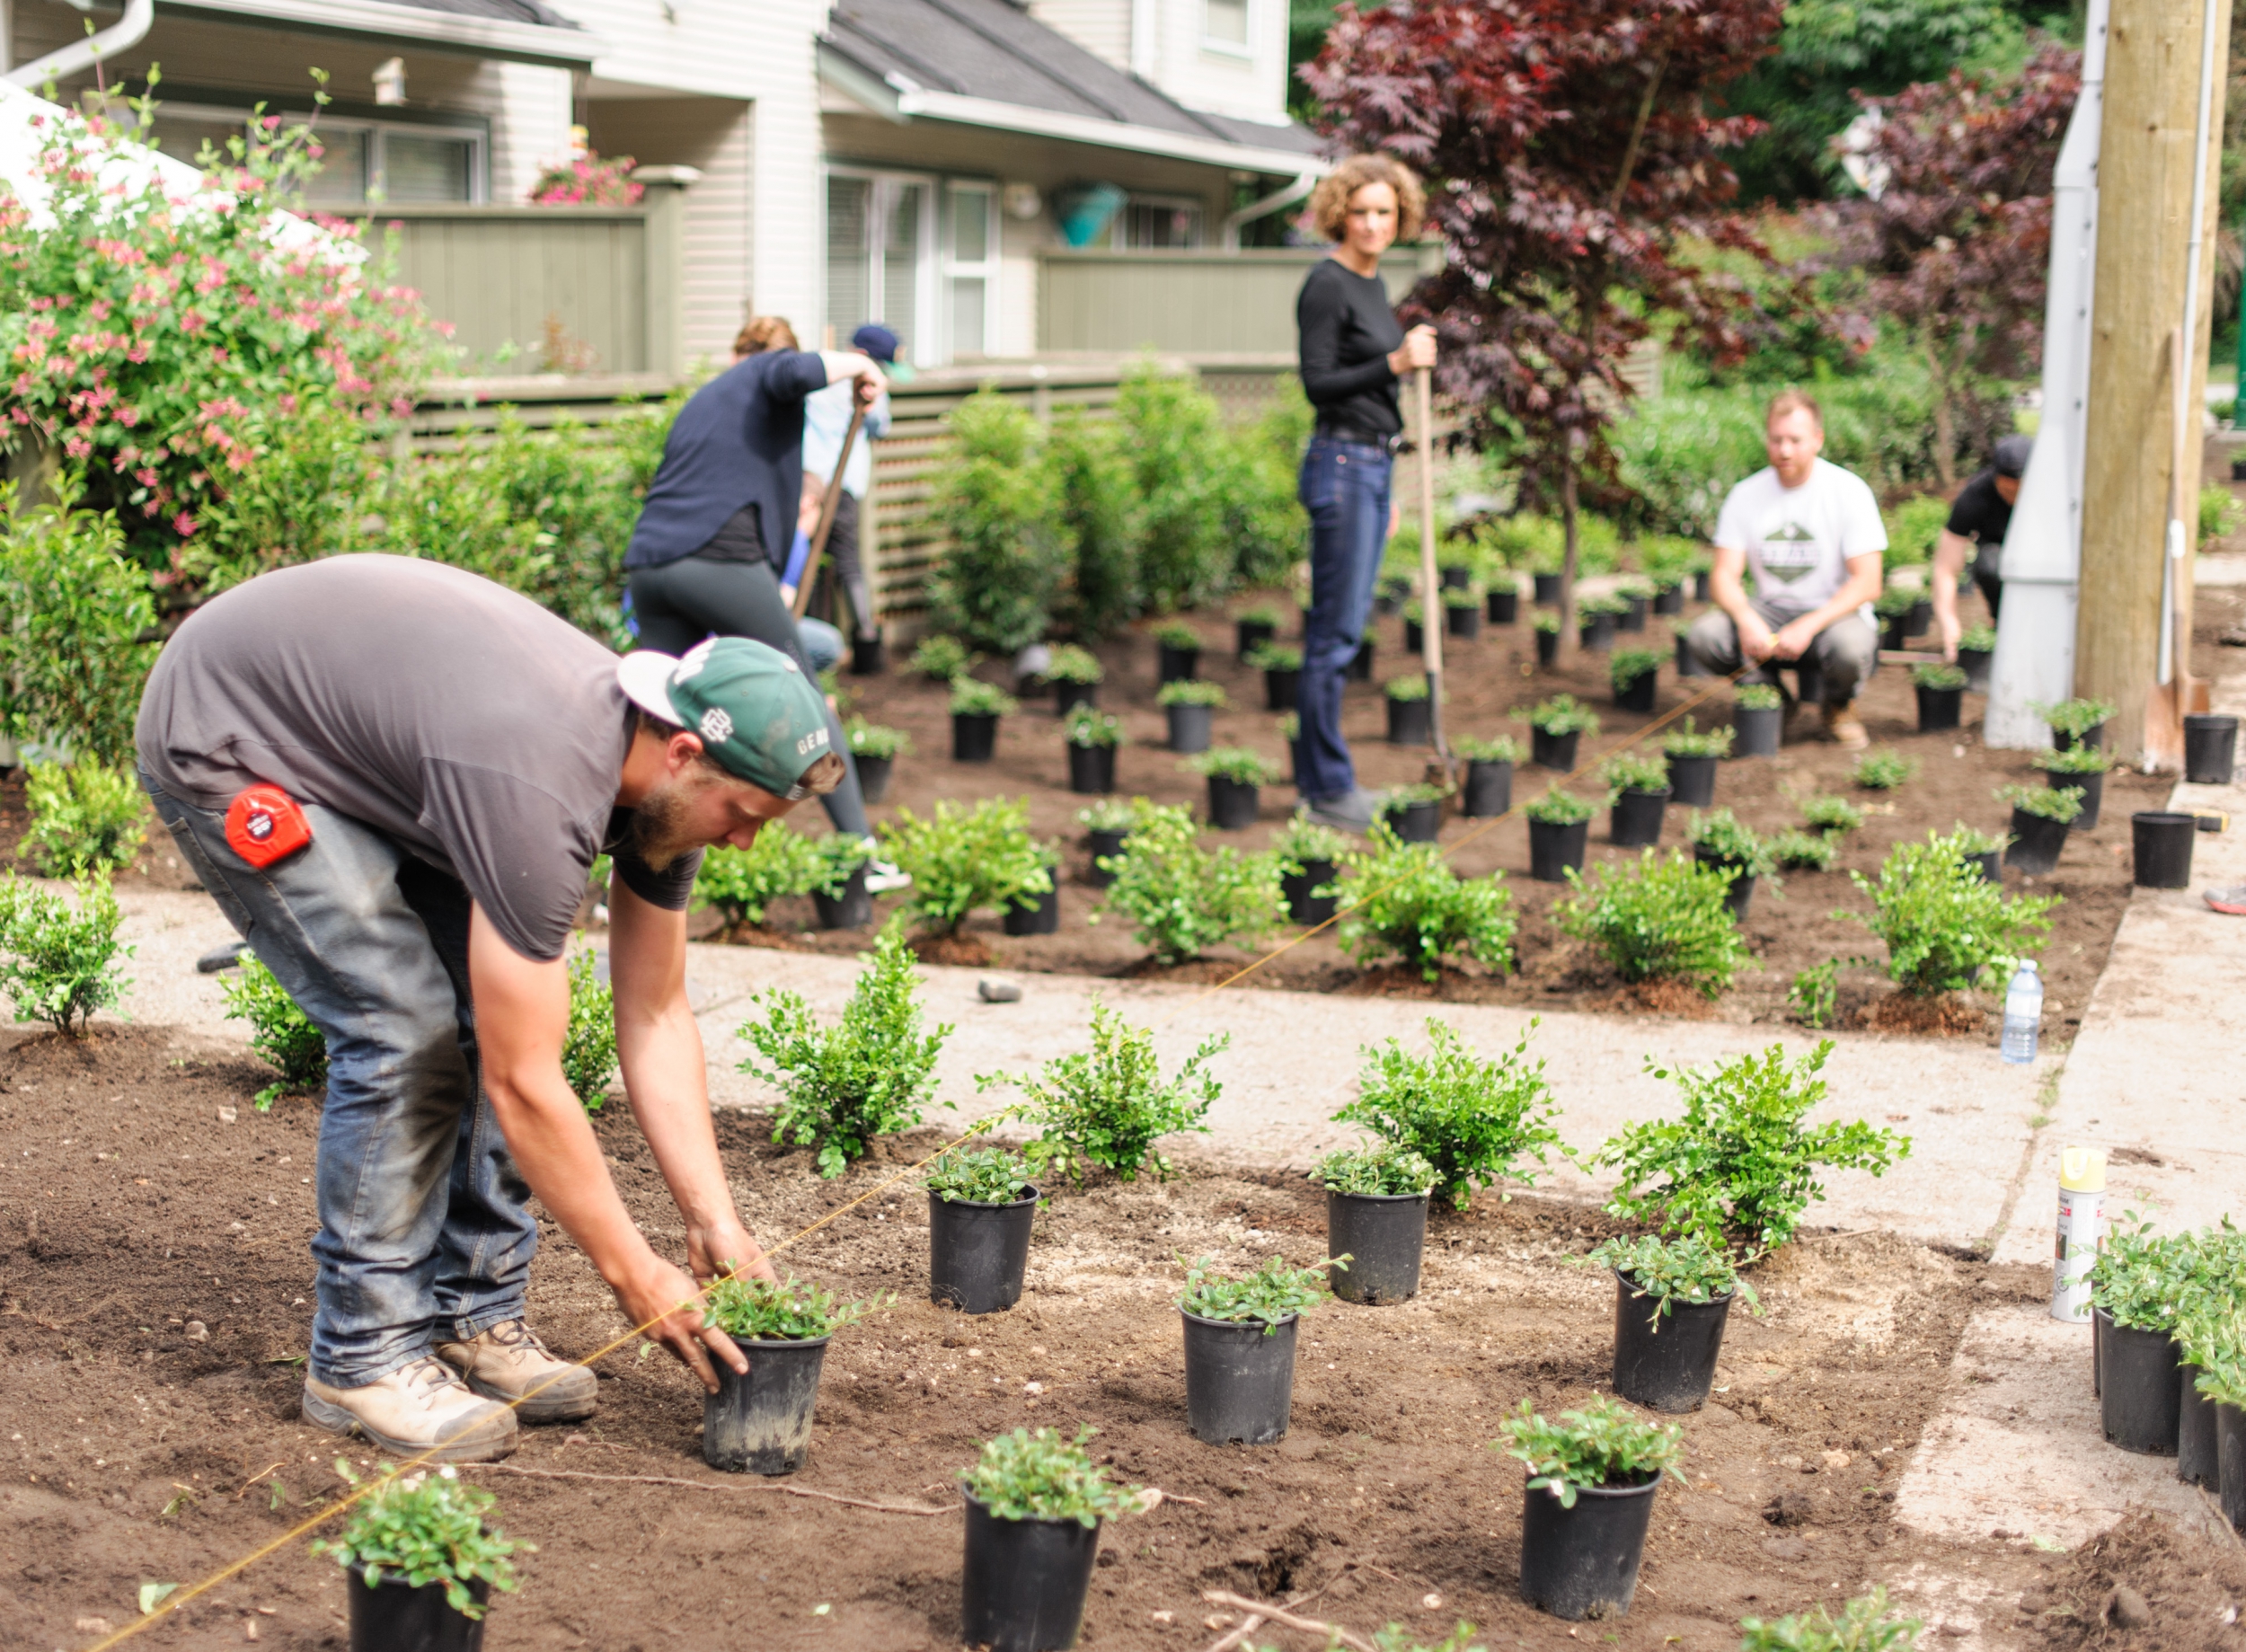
{"x": 463, "y": 720}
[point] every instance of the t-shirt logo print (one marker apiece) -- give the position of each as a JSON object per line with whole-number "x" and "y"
{"x": 1789, "y": 553}
{"x": 716, "y": 725}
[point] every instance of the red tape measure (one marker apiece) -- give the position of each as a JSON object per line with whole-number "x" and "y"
{"x": 264, "y": 824}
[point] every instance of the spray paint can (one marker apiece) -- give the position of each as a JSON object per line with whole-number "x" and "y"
{"x": 2081, "y": 1230}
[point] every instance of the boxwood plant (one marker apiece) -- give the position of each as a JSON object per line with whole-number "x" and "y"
{"x": 1190, "y": 691}
{"x": 1406, "y": 689}
{"x": 61, "y": 960}
{"x": 1276, "y": 657}
{"x": 1107, "y": 815}
{"x": 284, "y": 1036}
{"x": 1040, "y": 1476}
{"x": 1865, "y": 1625}
{"x": 1477, "y": 1121}
{"x": 942, "y": 658}
{"x": 973, "y": 697}
{"x": 1236, "y": 763}
{"x": 1883, "y": 768}
{"x": 2073, "y": 718}
{"x": 1090, "y": 727}
{"x": 1274, "y": 1294}
{"x": 872, "y": 740}
{"x": 588, "y": 1048}
{"x": 1725, "y": 837}
{"x": 1793, "y": 851}
{"x": 1183, "y": 898}
{"x": 1403, "y": 901}
{"x": 2044, "y": 802}
{"x": 979, "y": 1175}
{"x": 425, "y": 1527}
{"x": 1544, "y": 620}
{"x": 1176, "y": 634}
{"x": 791, "y": 1310}
{"x": 1977, "y": 640}
{"x": 1933, "y": 674}
{"x": 1626, "y": 665}
{"x": 1104, "y": 1108}
{"x": 1684, "y": 1269}
{"x": 1831, "y": 814}
{"x": 960, "y": 860}
{"x": 1657, "y": 920}
{"x": 1487, "y": 748}
{"x": 1562, "y": 715}
{"x": 1071, "y": 663}
{"x": 2075, "y": 760}
{"x": 840, "y": 854}
{"x": 1945, "y": 925}
{"x": 1685, "y": 740}
{"x": 1386, "y": 1168}
{"x": 741, "y": 883}
{"x": 1302, "y": 841}
{"x": 1605, "y": 1444}
{"x": 1757, "y": 697}
{"x": 1558, "y": 808}
{"x": 1632, "y": 772}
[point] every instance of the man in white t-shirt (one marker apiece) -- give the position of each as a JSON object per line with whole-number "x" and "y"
{"x": 1811, "y": 536}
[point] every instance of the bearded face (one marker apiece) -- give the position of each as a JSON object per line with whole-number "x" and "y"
{"x": 677, "y": 817}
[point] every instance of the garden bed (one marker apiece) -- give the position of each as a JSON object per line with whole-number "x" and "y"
{"x": 131, "y": 1215}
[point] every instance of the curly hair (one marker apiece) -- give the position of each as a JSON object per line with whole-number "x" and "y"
{"x": 764, "y": 332}
{"x": 1330, "y": 201}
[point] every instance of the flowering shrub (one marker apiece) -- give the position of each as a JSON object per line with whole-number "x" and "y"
{"x": 588, "y": 180}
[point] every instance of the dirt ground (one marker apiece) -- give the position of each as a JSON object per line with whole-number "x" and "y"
{"x": 153, "y": 1311}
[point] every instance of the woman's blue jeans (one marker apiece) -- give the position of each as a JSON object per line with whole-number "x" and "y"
{"x": 1345, "y": 490}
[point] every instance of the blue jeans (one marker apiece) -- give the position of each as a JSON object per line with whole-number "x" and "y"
{"x": 822, "y": 644}
{"x": 423, "y": 1235}
{"x": 1345, "y": 489}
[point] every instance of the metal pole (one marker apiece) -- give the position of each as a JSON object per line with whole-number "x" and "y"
{"x": 1431, "y": 613}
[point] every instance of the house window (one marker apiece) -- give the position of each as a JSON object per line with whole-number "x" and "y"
{"x": 918, "y": 257}
{"x": 1157, "y": 223}
{"x": 360, "y": 161}
{"x": 971, "y": 266}
{"x": 1225, "y": 25}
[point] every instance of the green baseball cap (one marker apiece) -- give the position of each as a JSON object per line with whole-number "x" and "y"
{"x": 757, "y": 714}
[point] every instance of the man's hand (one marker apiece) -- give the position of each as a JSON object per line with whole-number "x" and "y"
{"x": 1946, "y": 627}
{"x": 1755, "y": 642}
{"x": 1793, "y": 640}
{"x": 726, "y": 1248}
{"x": 663, "y": 1300}
{"x": 1417, "y": 351}
{"x": 871, "y": 385}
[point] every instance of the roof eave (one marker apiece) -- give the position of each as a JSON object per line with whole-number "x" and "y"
{"x": 371, "y": 20}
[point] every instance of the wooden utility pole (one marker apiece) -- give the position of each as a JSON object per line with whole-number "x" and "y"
{"x": 2135, "y": 451}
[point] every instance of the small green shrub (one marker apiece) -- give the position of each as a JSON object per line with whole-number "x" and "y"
{"x": 1272, "y": 1295}
{"x": 281, "y": 1032}
{"x": 1626, "y": 665}
{"x": 1233, "y": 763}
{"x": 1632, "y": 772}
{"x": 58, "y": 961}
{"x": 1814, "y": 995}
{"x": 1883, "y": 768}
{"x": 1071, "y": 663}
{"x": 793, "y": 1309}
{"x": 1461, "y": 597}
{"x": 1544, "y": 622}
{"x": 1563, "y": 714}
{"x": 973, "y": 697}
{"x": 1932, "y": 674}
{"x": 979, "y": 1176}
{"x": 1107, "y": 815}
{"x": 871, "y": 740}
{"x": 1176, "y": 634}
{"x": 1403, "y": 901}
{"x": 939, "y": 659}
{"x": 1476, "y": 1121}
{"x": 588, "y": 1051}
{"x": 73, "y": 659}
{"x": 2044, "y": 802}
{"x": 1811, "y": 852}
{"x": 1725, "y": 837}
{"x": 85, "y": 817}
{"x": 2075, "y": 760}
{"x": 1183, "y": 898}
{"x": 1276, "y": 657}
{"x": 1944, "y": 925}
{"x": 1191, "y": 691}
{"x": 1093, "y": 729}
{"x": 1596, "y": 603}
{"x": 1832, "y": 815}
{"x": 1686, "y": 741}
{"x": 840, "y": 855}
{"x": 1303, "y": 840}
{"x": 1558, "y": 808}
{"x": 1864, "y": 1625}
{"x": 1106, "y": 1107}
{"x": 1895, "y": 602}
{"x": 2218, "y": 511}
{"x": 2073, "y": 718}
{"x": 867, "y": 1076}
{"x": 1605, "y": 1444}
{"x": 1914, "y": 527}
{"x": 422, "y": 1528}
{"x": 1025, "y": 1476}
{"x": 1482, "y": 748}
{"x": 1977, "y": 640}
{"x": 1657, "y": 920}
{"x": 1417, "y": 791}
{"x": 1406, "y": 690}
{"x": 1684, "y": 1270}
{"x": 1263, "y": 614}
{"x": 741, "y": 883}
{"x": 1386, "y": 1168}
{"x": 1757, "y": 697}
{"x": 960, "y": 860}
{"x": 1010, "y": 548}
{"x": 1737, "y": 1166}
{"x": 1972, "y": 841}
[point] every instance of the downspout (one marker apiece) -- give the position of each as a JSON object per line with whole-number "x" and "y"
{"x": 126, "y": 32}
{"x": 1264, "y": 208}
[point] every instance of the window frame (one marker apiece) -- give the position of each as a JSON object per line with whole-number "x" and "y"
{"x": 1120, "y": 224}
{"x": 985, "y": 269}
{"x": 930, "y": 344}
{"x": 1245, "y": 47}
{"x": 475, "y": 133}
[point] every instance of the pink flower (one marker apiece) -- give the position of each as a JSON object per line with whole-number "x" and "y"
{"x": 183, "y": 526}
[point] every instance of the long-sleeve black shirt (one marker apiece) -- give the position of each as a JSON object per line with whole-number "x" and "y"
{"x": 1348, "y": 330}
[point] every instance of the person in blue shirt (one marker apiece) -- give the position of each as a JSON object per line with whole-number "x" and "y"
{"x": 826, "y": 421}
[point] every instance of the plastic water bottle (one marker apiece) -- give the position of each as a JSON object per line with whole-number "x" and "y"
{"x": 2024, "y": 1012}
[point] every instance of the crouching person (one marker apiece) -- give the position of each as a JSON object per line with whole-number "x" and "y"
{"x": 395, "y": 777}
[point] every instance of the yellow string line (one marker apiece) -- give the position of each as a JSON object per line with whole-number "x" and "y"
{"x": 234, "y": 1569}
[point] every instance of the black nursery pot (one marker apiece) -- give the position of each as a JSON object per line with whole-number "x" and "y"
{"x": 974, "y": 736}
{"x": 1920, "y": 615}
{"x": 873, "y": 776}
{"x": 1974, "y": 663}
{"x": 1987, "y": 862}
{"x": 2162, "y": 842}
{"x": 1068, "y": 696}
{"x": 2229, "y": 1456}
{"x": 1693, "y": 780}
{"x": 1553, "y": 751}
{"x": 394, "y": 1616}
{"x": 1041, "y": 916}
{"x": 1383, "y": 1234}
{"x": 2094, "y": 737}
{"x": 1488, "y": 787}
{"x": 1092, "y": 770}
{"x": 1278, "y": 689}
{"x": 2093, "y": 787}
{"x": 1176, "y": 665}
{"x": 1700, "y": 586}
{"x": 1239, "y": 1382}
{"x": 1669, "y": 599}
{"x": 1189, "y": 727}
{"x": 977, "y": 1251}
{"x": 1582, "y": 1562}
{"x": 1415, "y": 637}
{"x": 868, "y": 657}
{"x": 1552, "y": 848}
{"x": 1461, "y": 622}
{"x": 1668, "y": 1365}
{"x": 1252, "y": 635}
{"x": 1409, "y": 722}
{"x": 851, "y": 909}
{"x": 1456, "y": 578}
{"x": 1547, "y": 592}
{"x": 2210, "y": 749}
{"x": 1638, "y": 694}
{"x": 1742, "y": 890}
{"x": 2198, "y": 1459}
{"x": 1103, "y": 844}
{"x": 1302, "y": 905}
{"x": 1416, "y": 822}
{"x": 2036, "y": 843}
{"x": 1755, "y": 730}
{"x": 2141, "y": 1403}
{"x": 761, "y": 1423}
{"x": 1361, "y": 666}
{"x": 1232, "y": 803}
{"x": 1633, "y": 617}
{"x": 1504, "y": 608}
{"x": 1687, "y": 662}
{"x": 1597, "y": 631}
{"x": 1547, "y": 646}
{"x": 1023, "y": 1586}
{"x": 1636, "y": 819}
{"x": 1938, "y": 708}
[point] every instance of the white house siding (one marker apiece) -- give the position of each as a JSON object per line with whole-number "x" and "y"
{"x": 1102, "y": 27}
{"x": 531, "y": 109}
{"x": 713, "y": 135}
{"x": 1253, "y": 87}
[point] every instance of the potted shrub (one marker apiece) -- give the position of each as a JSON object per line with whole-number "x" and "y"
{"x": 1976, "y": 646}
{"x": 1940, "y": 695}
{"x": 1282, "y": 669}
{"x": 1671, "y": 1299}
{"x": 1657, "y": 920}
{"x": 981, "y": 1202}
{"x": 1403, "y": 900}
{"x": 1944, "y": 925}
{"x": 1462, "y": 611}
{"x": 1638, "y": 792}
{"x": 1546, "y": 626}
{"x": 1177, "y": 652}
{"x": 874, "y": 750}
{"x": 1719, "y": 840}
{"x": 1034, "y": 1505}
{"x": 1883, "y": 768}
{"x": 975, "y": 708}
{"x": 1409, "y": 712}
{"x": 1591, "y": 1477}
{"x": 1415, "y": 813}
{"x": 1360, "y": 666}
{"x": 1503, "y": 602}
{"x": 1980, "y": 850}
{"x": 2135, "y": 1287}
{"x": 1092, "y": 737}
{"x": 1545, "y": 585}
{"x": 939, "y": 659}
{"x": 1636, "y": 596}
{"x": 420, "y": 1562}
{"x": 2206, "y": 1344}
{"x": 2224, "y": 1381}
{"x": 1556, "y": 727}
{"x": 1455, "y": 566}
{"x": 1893, "y": 609}
{"x": 1254, "y": 627}
{"x": 1635, "y": 675}
{"x": 743, "y": 883}
{"x": 2076, "y": 722}
{"x": 1376, "y": 1215}
{"x": 1801, "y": 852}
{"x": 1865, "y": 1625}
{"x": 761, "y": 1423}
{"x": 1559, "y": 832}
{"x": 1309, "y": 855}
{"x": 1594, "y": 620}
{"x": 1687, "y": 662}
{"x": 2041, "y": 819}
{"x": 2081, "y": 767}
{"x": 1669, "y": 596}
{"x": 1693, "y": 754}
{"x": 1489, "y": 764}
{"x": 1184, "y": 897}
{"x": 960, "y": 860}
{"x": 1477, "y": 1121}
{"x": 1190, "y": 704}
{"x": 1235, "y": 776}
{"x": 1240, "y": 1346}
{"x": 840, "y": 896}
{"x": 1037, "y": 911}
{"x": 1414, "y": 636}
{"x": 1758, "y": 715}
{"x": 1075, "y": 674}
{"x": 1103, "y": 1108}
{"x": 1831, "y": 815}
{"x": 1105, "y": 825}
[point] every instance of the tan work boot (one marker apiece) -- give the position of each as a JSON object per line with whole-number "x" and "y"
{"x": 1844, "y": 728}
{"x": 507, "y": 1362}
{"x": 424, "y": 1409}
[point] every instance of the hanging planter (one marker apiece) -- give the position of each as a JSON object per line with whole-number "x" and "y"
{"x": 1376, "y": 1215}
{"x": 761, "y": 1423}
{"x": 1672, "y": 1300}
{"x": 1035, "y": 1503}
{"x": 1240, "y": 1348}
{"x": 1588, "y": 1505}
{"x": 981, "y": 1206}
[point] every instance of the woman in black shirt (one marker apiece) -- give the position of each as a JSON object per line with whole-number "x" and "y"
{"x": 1354, "y": 352}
